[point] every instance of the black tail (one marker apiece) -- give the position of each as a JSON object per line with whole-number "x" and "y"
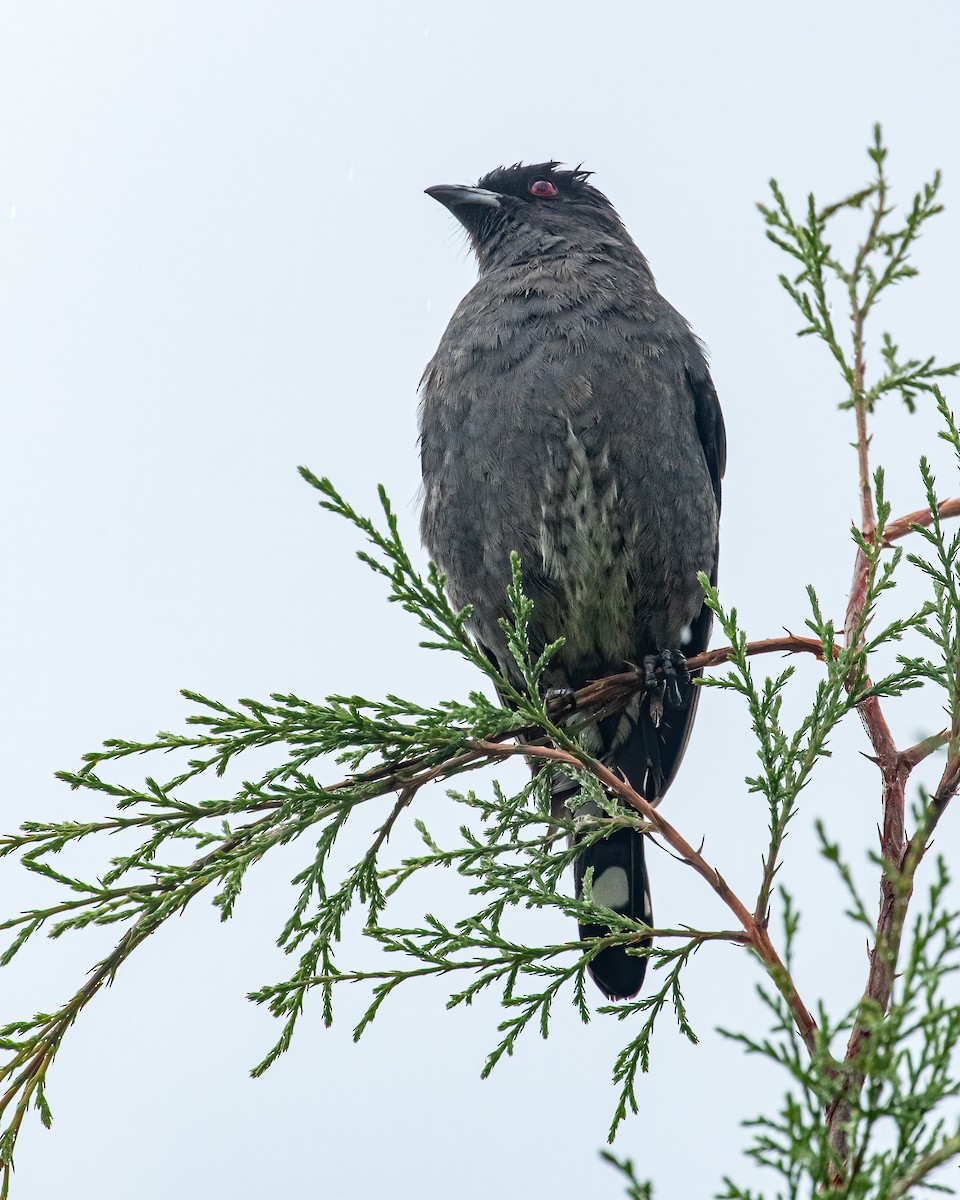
{"x": 619, "y": 882}
{"x": 646, "y": 747}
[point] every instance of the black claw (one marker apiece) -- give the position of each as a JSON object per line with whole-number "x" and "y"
{"x": 674, "y": 672}
{"x": 672, "y": 667}
{"x": 650, "y": 664}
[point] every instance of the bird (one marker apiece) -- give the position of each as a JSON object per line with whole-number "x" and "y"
{"x": 569, "y": 415}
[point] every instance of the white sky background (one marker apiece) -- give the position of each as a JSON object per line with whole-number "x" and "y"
{"x": 217, "y": 263}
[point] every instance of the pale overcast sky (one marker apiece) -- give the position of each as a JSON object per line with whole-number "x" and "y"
{"x": 217, "y": 263}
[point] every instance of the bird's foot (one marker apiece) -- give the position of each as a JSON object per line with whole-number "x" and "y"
{"x": 560, "y": 701}
{"x": 673, "y": 667}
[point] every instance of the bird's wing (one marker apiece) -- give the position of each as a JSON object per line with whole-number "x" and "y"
{"x": 710, "y": 426}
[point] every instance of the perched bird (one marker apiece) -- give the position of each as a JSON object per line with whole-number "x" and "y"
{"x": 569, "y": 414}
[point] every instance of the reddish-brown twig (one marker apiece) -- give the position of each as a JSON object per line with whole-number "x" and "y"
{"x": 923, "y": 516}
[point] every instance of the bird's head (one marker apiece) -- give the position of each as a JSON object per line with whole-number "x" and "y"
{"x": 521, "y": 212}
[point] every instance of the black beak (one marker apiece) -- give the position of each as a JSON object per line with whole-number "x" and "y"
{"x": 453, "y": 196}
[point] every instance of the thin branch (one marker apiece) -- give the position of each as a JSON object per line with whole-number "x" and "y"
{"x": 920, "y": 842}
{"x": 895, "y": 890}
{"x": 36, "y": 1061}
{"x": 756, "y": 932}
{"x": 892, "y": 767}
{"x": 922, "y": 1168}
{"x": 916, "y": 754}
{"x": 737, "y": 937}
{"x": 923, "y": 517}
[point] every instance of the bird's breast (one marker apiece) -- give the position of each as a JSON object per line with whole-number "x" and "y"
{"x": 584, "y": 532}
{"x": 569, "y": 435}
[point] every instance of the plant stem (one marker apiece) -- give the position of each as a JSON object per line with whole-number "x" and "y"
{"x": 757, "y": 935}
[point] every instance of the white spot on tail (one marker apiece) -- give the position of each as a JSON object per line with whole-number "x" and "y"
{"x": 612, "y": 888}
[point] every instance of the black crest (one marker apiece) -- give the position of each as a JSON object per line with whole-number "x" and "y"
{"x": 515, "y": 180}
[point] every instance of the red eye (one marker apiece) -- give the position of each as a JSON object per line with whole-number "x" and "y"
{"x": 542, "y": 187}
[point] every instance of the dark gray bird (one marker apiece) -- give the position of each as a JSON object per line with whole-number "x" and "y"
{"x": 569, "y": 415}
